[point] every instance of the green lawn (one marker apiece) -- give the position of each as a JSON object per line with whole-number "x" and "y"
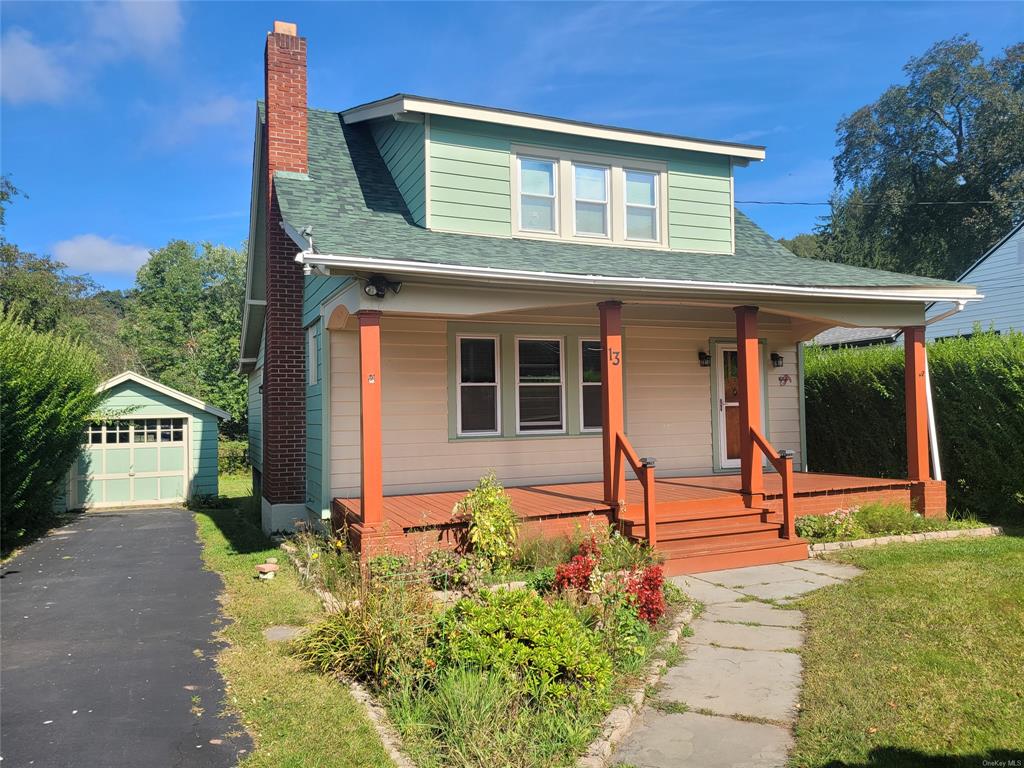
{"x": 919, "y": 661}
{"x": 297, "y": 717}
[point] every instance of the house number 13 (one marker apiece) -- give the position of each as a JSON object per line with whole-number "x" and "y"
{"x": 613, "y": 356}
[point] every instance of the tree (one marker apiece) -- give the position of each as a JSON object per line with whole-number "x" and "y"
{"x": 7, "y": 191}
{"x": 953, "y": 135}
{"x": 184, "y": 321}
{"x": 804, "y": 244}
{"x": 41, "y": 293}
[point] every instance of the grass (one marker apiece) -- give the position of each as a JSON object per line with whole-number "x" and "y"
{"x": 917, "y": 662}
{"x": 297, "y": 717}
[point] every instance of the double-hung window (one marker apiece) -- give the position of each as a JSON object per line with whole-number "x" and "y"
{"x": 540, "y": 395}
{"x": 311, "y": 372}
{"x": 538, "y": 195}
{"x": 591, "y": 188}
{"x": 477, "y": 378}
{"x": 641, "y": 205}
{"x": 590, "y": 384}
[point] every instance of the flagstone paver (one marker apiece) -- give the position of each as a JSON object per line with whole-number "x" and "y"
{"x": 739, "y": 681}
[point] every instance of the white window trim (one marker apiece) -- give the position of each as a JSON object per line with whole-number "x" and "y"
{"x": 566, "y": 214}
{"x": 580, "y": 341}
{"x": 626, "y": 205}
{"x": 311, "y": 356}
{"x": 555, "y": 207}
{"x": 459, "y": 384}
{"x": 561, "y": 385}
{"x": 607, "y": 202}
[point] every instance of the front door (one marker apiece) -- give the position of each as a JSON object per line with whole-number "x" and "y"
{"x": 728, "y": 407}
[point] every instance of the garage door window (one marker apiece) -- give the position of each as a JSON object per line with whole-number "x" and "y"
{"x": 169, "y": 430}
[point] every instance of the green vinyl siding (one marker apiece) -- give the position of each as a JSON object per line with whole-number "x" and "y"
{"x": 700, "y": 204}
{"x": 470, "y": 185}
{"x": 401, "y": 145}
{"x": 314, "y": 430}
{"x": 256, "y": 411}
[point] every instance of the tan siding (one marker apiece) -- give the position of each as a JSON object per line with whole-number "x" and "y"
{"x": 668, "y": 412}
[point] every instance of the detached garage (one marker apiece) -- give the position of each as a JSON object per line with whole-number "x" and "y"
{"x": 157, "y": 445}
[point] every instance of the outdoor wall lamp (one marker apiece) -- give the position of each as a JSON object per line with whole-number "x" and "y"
{"x": 378, "y": 286}
{"x": 704, "y": 359}
{"x": 777, "y": 360}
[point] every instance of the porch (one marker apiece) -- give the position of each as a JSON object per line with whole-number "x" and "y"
{"x": 703, "y": 522}
{"x": 407, "y": 488}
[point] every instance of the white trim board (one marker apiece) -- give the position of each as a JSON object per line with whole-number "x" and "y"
{"x": 401, "y": 104}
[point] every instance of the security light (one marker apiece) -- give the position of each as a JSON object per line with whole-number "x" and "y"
{"x": 378, "y": 286}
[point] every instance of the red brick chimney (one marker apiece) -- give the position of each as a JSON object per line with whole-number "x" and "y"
{"x": 284, "y": 392}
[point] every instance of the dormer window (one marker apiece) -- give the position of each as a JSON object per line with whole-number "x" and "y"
{"x": 641, "y": 205}
{"x": 590, "y": 195}
{"x": 566, "y": 195}
{"x": 538, "y": 202}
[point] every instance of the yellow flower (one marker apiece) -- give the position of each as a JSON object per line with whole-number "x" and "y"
{"x": 315, "y": 555}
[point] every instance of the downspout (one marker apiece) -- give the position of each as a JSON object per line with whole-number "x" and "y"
{"x": 933, "y": 439}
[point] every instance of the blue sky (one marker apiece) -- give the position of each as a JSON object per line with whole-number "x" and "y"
{"x": 129, "y": 124}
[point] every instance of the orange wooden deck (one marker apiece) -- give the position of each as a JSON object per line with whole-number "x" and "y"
{"x": 424, "y": 510}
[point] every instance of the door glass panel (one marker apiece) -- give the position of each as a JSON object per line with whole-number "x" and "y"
{"x": 732, "y": 432}
{"x": 730, "y": 376}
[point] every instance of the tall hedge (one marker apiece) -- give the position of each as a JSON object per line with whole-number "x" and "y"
{"x": 856, "y": 417}
{"x": 47, "y": 392}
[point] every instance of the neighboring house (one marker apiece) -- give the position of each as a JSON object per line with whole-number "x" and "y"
{"x": 158, "y": 446}
{"x": 436, "y": 290}
{"x": 999, "y": 276}
{"x": 855, "y": 337}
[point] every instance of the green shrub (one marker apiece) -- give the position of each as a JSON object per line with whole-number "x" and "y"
{"x": 627, "y": 638}
{"x": 881, "y": 519}
{"x": 838, "y": 525}
{"x": 618, "y": 553}
{"x": 49, "y": 391}
{"x": 542, "y": 580}
{"x": 541, "y": 551}
{"x": 378, "y": 637}
{"x": 232, "y": 456}
{"x": 856, "y": 417}
{"x": 543, "y": 646}
{"x": 493, "y": 529}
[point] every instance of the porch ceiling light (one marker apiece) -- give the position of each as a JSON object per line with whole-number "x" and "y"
{"x": 777, "y": 360}
{"x": 704, "y": 359}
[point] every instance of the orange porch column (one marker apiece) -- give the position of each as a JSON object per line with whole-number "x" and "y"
{"x": 749, "y": 374}
{"x": 372, "y": 477}
{"x": 612, "y": 420}
{"x": 917, "y": 404}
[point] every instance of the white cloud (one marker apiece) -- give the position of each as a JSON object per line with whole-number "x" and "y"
{"x": 92, "y": 253}
{"x": 114, "y": 31}
{"x": 31, "y": 72}
{"x": 136, "y": 27}
{"x": 181, "y": 124}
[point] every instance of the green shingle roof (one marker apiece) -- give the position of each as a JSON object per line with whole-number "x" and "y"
{"x": 355, "y": 209}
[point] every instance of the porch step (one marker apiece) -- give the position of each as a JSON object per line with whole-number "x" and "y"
{"x": 670, "y": 522}
{"x": 736, "y": 556}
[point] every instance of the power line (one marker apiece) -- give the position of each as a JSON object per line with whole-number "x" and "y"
{"x": 867, "y": 205}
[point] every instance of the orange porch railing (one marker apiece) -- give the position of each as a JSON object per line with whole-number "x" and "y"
{"x": 783, "y": 463}
{"x": 643, "y": 468}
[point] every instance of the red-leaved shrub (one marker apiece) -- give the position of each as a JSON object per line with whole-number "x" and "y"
{"x": 645, "y": 587}
{"x": 575, "y": 574}
{"x": 590, "y": 548}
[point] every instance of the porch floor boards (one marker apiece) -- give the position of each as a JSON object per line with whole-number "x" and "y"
{"x": 424, "y": 510}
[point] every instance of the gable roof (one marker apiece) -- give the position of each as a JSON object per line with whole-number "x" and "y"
{"x": 163, "y": 389}
{"x": 359, "y": 221}
{"x": 1013, "y": 231}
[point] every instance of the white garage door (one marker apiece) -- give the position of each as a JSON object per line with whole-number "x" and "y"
{"x": 133, "y": 461}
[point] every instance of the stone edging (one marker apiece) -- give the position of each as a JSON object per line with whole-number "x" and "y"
{"x": 618, "y": 722}
{"x": 375, "y": 713}
{"x": 817, "y": 550}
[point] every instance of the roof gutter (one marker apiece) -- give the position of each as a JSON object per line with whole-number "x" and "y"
{"x": 561, "y": 280}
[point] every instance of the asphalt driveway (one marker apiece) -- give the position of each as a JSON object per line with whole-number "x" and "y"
{"x": 108, "y": 650}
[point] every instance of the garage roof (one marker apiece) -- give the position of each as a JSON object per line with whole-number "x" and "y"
{"x": 121, "y": 378}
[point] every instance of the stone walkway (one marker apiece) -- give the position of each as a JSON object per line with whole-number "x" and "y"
{"x": 732, "y": 701}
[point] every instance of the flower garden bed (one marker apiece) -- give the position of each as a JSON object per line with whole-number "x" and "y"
{"x": 873, "y": 521}
{"x": 473, "y": 674}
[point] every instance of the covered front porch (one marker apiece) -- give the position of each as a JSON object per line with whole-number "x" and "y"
{"x": 697, "y": 521}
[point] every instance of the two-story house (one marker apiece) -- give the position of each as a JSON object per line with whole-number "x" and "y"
{"x": 436, "y": 290}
